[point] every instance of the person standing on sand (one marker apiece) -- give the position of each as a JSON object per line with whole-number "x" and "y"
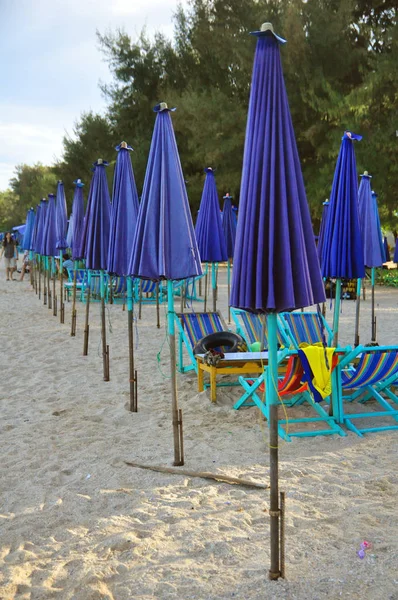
{"x": 10, "y": 252}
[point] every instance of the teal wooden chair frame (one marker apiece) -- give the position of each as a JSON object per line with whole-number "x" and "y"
{"x": 297, "y": 393}
{"x": 192, "y": 327}
{"x": 375, "y": 374}
{"x": 250, "y": 327}
{"x": 81, "y": 278}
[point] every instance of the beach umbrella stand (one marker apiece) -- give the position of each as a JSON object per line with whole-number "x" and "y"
{"x": 74, "y": 311}
{"x": 105, "y": 347}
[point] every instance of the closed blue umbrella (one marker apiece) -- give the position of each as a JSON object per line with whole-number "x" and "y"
{"x": 76, "y": 226}
{"x": 61, "y": 222}
{"x": 165, "y": 246}
{"x": 209, "y": 230}
{"x": 69, "y": 232}
{"x": 41, "y": 218}
{"x": 396, "y": 251}
{"x": 229, "y": 225}
{"x": 50, "y": 250}
{"x": 124, "y": 215}
{"x": 35, "y": 228}
{"x": 372, "y": 244}
{"x": 342, "y": 252}
{"x": 321, "y": 237}
{"x": 30, "y": 224}
{"x": 386, "y": 250}
{"x": 78, "y": 220}
{"x": 95, "y": 240}
{"x": 276, "y": 267}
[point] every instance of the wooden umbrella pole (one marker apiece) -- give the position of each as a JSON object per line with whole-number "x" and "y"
{"x": 54, "y": 277}
{"x": 176, "y": 413}
{"x": 133, "y": 373}
{"x": 86, "y": 323}
{"x": 49, "y": 293}
{"x": 272, "y": 400}
{"x": 214, "y": 285}
{"x": 336, "y": 313}
{"x": 205, "y": 297}
{"x": 105, "y": 348}
{"x": 229, "y": 289}
{"x": 45, "y": 281}
{"x": 74, "y": 314}
{"x": 140, "y": 300}
{"x": 357, "y": 310}
{"x": 61, "y": 289}
{"x": 39, "y": 277}
{"x": 157, "y": 305}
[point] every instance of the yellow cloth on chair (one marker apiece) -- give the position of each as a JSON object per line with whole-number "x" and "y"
{"x": 321, "y": 369}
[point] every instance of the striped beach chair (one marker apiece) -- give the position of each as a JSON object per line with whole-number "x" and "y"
{"x": 307, "y": 327}
{"x": 364, "y": 374}
{"x": 250, "y": 327}
{"x": 293, "y": 391}
{"x": 81, "y": 277}
{"x": 192, "y": 327}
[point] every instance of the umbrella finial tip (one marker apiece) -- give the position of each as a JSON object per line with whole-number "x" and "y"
{"x": 366, "y": 172}
{"x": 99, "y": 161}
{"x": 163, "y": 106}
{"x": 123, "y": 145}
{"x": 267, "y": 27}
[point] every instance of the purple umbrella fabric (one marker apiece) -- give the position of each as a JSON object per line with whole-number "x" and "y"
{"x": 395, "y": 259}
{"x": 229, "y": 225}
{"x": 209, "y": 230}
{"x": 321, "y": 237}
{"x": 30, "y": 224}
{"x": 386, "y": 250}
{"x": 77, "y": 220}
{"x": 61, "y": 217}
{"x": 35, "y": 228}
{"x": 370, "y": 224}
{"x": 50, "y": 235}
{"x": 69, "y": 233}
{"x": 342, "y": 251}
{"x": 95, "y": 236}
{"x": 124, "y": 213}
{"x": 164, "y": 245}
{"x": 40, "y": 228}
{"x": 276, "y": 267}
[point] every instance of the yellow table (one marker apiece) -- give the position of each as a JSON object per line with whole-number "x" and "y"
{"x": 238, "y": 363}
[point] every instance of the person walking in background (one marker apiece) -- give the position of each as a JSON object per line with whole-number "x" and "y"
{"x": 10, "y": 253}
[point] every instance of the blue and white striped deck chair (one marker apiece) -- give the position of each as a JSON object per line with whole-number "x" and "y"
{"x": 372, "y": 376}
{"x": 93, "y": 281}
{"x": 81, "y": 276}
{"x": 145, "y": 291}
{"x": 117, "y": 289}
{"x": 307, "y": 327}
{"x": 192, "y": 327}
{"x": 250, "y": 327}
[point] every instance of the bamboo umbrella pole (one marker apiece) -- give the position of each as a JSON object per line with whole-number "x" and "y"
{"x": 176, "y": 413}
{"x": 86, "y": 323}
{"x": 105, "y": 348}
{"x": 272, "y": 399}
{"x": 133, "y": 372}
{"x": 157, "y": 305}
{"x": 61, "y": 288}
{"x": 74, "y": 312}
{"x": 54, "y": 276}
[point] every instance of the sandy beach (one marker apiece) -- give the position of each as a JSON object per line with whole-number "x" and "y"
{"x": 77, "y": 523}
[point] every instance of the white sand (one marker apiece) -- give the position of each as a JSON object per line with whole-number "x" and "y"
{"x": 77, "y": 523}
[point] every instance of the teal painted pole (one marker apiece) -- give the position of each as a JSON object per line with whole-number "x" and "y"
{"x": 272, "y": 401}
{"x": 214, "y": 267}
{"x": 74, "y": 312}
{"x": 130, "y": 325}
{"x": 105, "y": 348}
{"x": 61, "y": 287}
{"x": 176, "y": 413}
{"x": 373, "y": 280}
{"x": 336, "y": 316}
{"x": 357, "y": 308}
{"x": 229, "y": 288}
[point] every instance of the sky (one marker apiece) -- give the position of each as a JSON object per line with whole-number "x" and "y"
{"x": 51, "y": 66}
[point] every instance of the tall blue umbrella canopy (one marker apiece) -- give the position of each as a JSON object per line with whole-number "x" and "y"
{"x": 229, "y": 225}
{"x": 386, "y": 250}
{"x": 50, "y": 234}
{"x": 95, "y": 236}
{"x": 123, "y": 214}
{"x": 370, "y": 224}
{"x": 69, "y": 232}
{"x": 78, "y": 220}
{"x": 35, "y": 228}
{"x": 40, "y": 226}
{"x": 30, "y": 224}
{"x": 209, "y": 229}
{"x": 396, "y": 252}
{"x": 321, "y": 237}
{"x": 164, "y": 245}
{"x": 342, "y": 252}
{"x": 61, "y": 217}
{"x": 276, "y": 267}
